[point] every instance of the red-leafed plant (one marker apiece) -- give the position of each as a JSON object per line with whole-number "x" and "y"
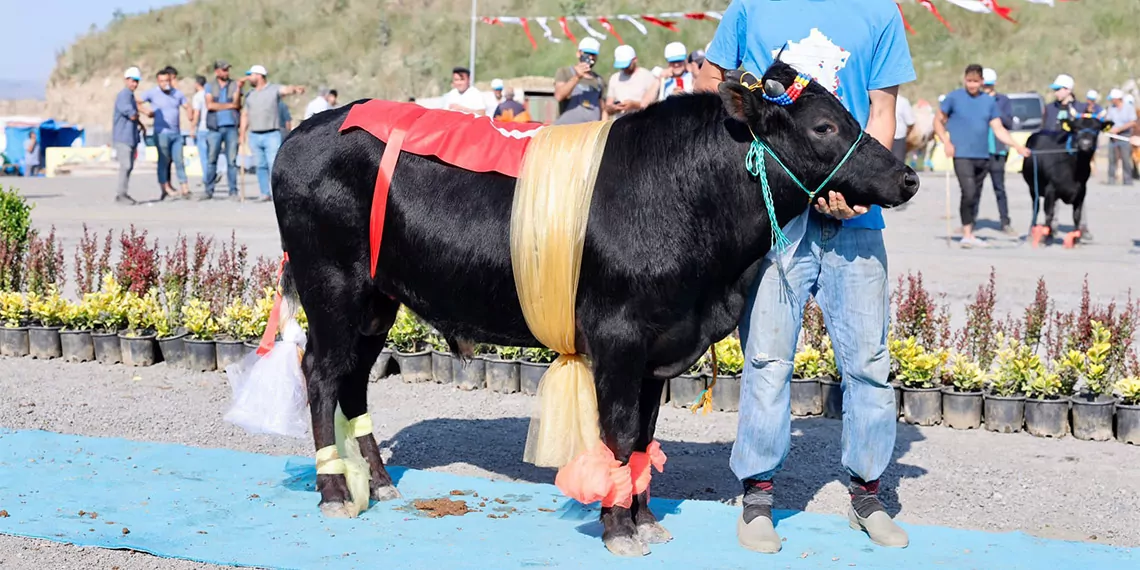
{"x": 137, "y": 270}
{"x": 978, "y": 338}
{"x": 918, "y": 315}
{"x": 91, "y": 263}
{"x": 226, "y": 280}
{"x": 264, "y": 276}
{"x": 44, "y": 264}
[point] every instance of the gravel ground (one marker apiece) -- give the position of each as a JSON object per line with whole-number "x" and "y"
{"x": 1064, "y": 489}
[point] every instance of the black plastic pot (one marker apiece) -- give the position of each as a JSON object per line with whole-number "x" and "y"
{"x": 502, "y": 375}
{"x": 1092, "y": 417}
{"x": 469, "y": 376}
{"x": 807, "y": 398}
{"x": 961, "y": 410}
{"x": 44, "y": 343}
{"x": 1004, "y": 414}
{"x": 415, "y": 366}
{"x": 138, "y": 350}
{"x": 229, "y": 352}
{"x": 898, "y": 397}
{"x": 529, "y": 375}
{"x": 441, "y": 367}
{"x": 1047, "y": 418}
{"x": 14, "y": 341}
{"x": 831, "y": 392}
{"x": 922, "y": 406}
{"x": 201, "y": 355}
{"x": 726, "y": 393}
{"x": 1128, "y": 424}
{"x": 684, "y": 389}
{"x": 77, "y": 346}
{"x": 172, "y": 350}
{"x": 380, "y": 367}
{"x": 107, "y": 349}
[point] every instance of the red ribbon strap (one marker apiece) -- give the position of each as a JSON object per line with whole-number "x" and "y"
{"x": 384, "y": 183}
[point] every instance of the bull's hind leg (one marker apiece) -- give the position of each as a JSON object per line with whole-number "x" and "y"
{"x": 325, "y": 362}
{"x": 648, "y": 529}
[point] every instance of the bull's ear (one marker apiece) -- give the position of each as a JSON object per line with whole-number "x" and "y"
{"x": 738, "y": 100}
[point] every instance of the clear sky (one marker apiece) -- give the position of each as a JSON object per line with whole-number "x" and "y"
{"x": 34, "y": 29}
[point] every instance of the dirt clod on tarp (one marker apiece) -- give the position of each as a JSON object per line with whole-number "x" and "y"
{"x": 436, "y": 508}
{"x": 3, "y": 514}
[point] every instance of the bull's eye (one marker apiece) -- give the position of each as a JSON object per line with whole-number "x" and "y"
{"x": 824, "y": 129}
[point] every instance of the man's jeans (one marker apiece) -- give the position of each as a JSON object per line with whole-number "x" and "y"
{"x": 265, "y": 147}
{"x": 170, "y": 149}
{"x": 1120, "y": 151}
{"x": 203, "y": 150}
{"x": 227, "y": 136}
{"x": 846, "y": 270}
{"x": 126, "y": 155}
{"x": 971, "y": 177}
{"x": 997, "y": 178}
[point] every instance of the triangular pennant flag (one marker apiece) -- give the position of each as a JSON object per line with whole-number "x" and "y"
{"x": 595, "y": 33}
{"x": 640, "y": 27}
{"x": 999, "y": 10}
{"x": 1049, "y": 2}
{"x": 715, "y": 15}
{"x": 668, "y": 25}
{"x": 526, "y": 29}
{"x": 546, "y": 33}
{"x": 610, "y": 28}
{"x": 934, "y": 10}
{"x": 695, "y": 15}
{"x": 975, "y": 6}
{"x": 903, "y": 16}
{"x": 566, "y": 29}
{"x": 492, "y": 21}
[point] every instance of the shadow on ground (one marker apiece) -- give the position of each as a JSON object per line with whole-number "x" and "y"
{"x": 694, "y": 470}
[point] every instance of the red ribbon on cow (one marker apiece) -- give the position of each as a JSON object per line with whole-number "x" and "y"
{"x": 610, "y": 28}
{"x": 903, "y": 16}
{"x": 269, "y": 337}
{"x": 566, "y": 29}
{"x": 667, "y": 24}
{"x": 384, "y": 183}
{"x": 929, "y": 5}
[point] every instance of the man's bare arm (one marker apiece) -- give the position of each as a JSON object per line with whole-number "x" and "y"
{"x": 881, "y": 123}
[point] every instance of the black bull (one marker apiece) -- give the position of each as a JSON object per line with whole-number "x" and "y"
{"x": 1060, "y": 167}
{"x": 676, "y": 231}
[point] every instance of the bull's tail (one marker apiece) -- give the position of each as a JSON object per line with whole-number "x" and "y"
{"x": 285, "y": 306}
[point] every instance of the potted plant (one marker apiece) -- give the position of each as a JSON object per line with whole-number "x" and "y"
{"x": 108, "y": 309}
{"x": 13, "y": 324}
{"x": 75, "y": 337}
{"x": 830, "y": 382}
{"x": 470, "y": 374}
{"x": 408, "y": 336}
{"x": 807, "y": 371}
{"x": 1005, "y": 399}
{"x": 137, "y": 341}
{"x": 1128, "y": 410}
{"x": 201, "y": 352}
{"x": 962, "y": 400}
{"x": 237, "y": 325}
{"x": 441, "y": 366}
{"x": 922, "y": 398}
{"x": 1046, "y": 408}
{"x": 684, "y": 389}
{"x": 533, "y": 365}
{"x": 1093, "y": 406}
{"x": 503, "y": 369}
{"x": 730, "y": 364}
{"x": 48, "y": 312}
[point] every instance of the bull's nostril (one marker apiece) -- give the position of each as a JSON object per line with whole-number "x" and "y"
{"x": 910, "y": 181}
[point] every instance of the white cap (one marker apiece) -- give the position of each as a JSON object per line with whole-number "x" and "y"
{"x": 989, "y": 76}
{"x": 623, "y": 55}
{"x": 1062, "y": 81}
{"x": 496, "y": 84}
{"x": 676, "y": 51}
{"x": 1116, "y": 94}
{"x": 132, "y": 73}
{"x": 590, "y": 46}
{"x": 260, "y": 70}
{"x": 1092, "y": 95}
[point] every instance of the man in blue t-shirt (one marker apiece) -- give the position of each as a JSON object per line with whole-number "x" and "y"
{"x": 857, "y": 49}
{"x": 964, "y": 122}
{"x": 166, "y": 103}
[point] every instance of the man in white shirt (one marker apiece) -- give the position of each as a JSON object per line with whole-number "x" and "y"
{"x": 677, "y": 79}
{"x": 495, "y": 97}
{"x": 198, "y": 122}
{"x": 323, "y": 102}
{"x": 463, "y": 97}
{"x": 904, "y": 123}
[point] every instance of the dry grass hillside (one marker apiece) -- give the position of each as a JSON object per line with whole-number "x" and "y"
{"x": 400, "y": 48}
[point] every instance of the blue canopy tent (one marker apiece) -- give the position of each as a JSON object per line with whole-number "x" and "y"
{"x": 49, "y": 133}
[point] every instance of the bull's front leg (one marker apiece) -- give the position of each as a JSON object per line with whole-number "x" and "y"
{"x": 648, "y": 529}
{"x": 1050, "y": 211}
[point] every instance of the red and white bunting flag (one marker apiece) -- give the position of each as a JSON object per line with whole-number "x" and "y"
{"x": 610, "y": 28}
{"x": 522, "y": 22}
{"x": 546, "y": 33}
{"x": 999, "y": 9}
{"x": 595, "y": 33}
{"x": 906, "y": 24}
{"x": 1049, "y": 2}
{"x": 640, "y": 27}
{"x": 975, "y": 6}
{"x": 715, "y": 15}
{"x": 668, "y": 25}
{"x": 490, "y": 20}
{"x": 566, "y": 29}
{"x": 934, "y": 10}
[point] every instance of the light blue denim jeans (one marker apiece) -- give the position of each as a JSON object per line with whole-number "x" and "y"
{"x": 203, "y": 151}
{"x": 169, "y": 146}
{"x": 265, "y": 147}
{"x": 846, "y": 269}
{"x": 224, "y": 136}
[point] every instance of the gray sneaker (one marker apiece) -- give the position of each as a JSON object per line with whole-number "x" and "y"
{"x": 754, "y": 528}
{"x": 867, "y": 514}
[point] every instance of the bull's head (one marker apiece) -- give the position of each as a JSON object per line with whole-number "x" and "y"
{"x": 1083, "y": 131}
{"x": 811, "y": 132}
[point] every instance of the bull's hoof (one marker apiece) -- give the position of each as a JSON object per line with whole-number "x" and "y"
{"x": 626, "y": 545}
{"x": 339, "y": 510}
{"x": 653, "y": 533}
{"x": 385, "y": 493}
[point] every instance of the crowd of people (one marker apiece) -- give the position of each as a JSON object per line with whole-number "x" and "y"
{"x": 223, "y": 113}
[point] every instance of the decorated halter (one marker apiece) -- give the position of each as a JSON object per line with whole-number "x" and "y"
{"x": 757, "y": 165}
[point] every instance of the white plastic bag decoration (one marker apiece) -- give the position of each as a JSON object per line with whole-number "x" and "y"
{"x": 269, "y": 393}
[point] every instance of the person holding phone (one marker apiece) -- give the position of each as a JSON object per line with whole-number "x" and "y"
{"x": 679, "y": 79}
{"x": 633, "y": 87}
{"x": 578, "y": 89}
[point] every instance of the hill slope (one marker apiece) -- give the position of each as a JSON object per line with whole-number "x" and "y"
{"x": 400, "y": 48}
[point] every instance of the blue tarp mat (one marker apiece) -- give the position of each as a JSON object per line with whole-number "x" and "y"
{"x": 229, "y": 507}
